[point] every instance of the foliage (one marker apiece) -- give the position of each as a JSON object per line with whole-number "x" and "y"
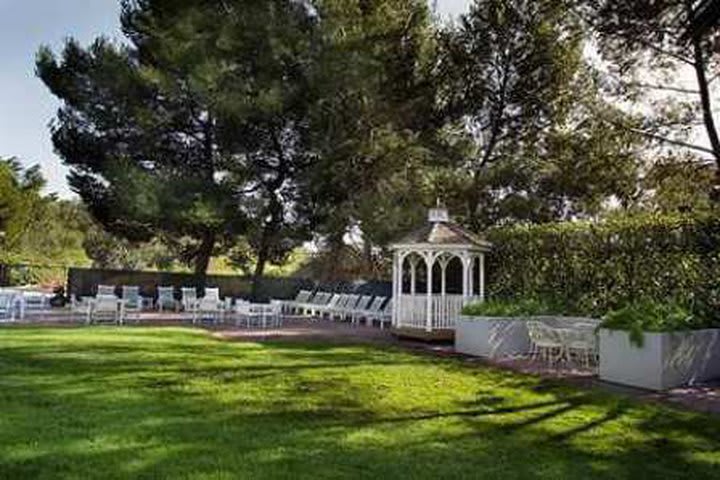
{"x": 21, "y": 204}
{"x": 346, "y": 262}
{"x": 37, "y": 229}
{"x": 191, "y": 133}
{"x": 180, "y": 403}
{"x": 133, "y": 148}
{"x": 245, "y": 122}
{"x": 522, "y": 124}
{"x": 591, "y": 268}
{"x": 376, "y": 103}
{"x": 679, "y": 184}
{"x": 517, "y": 307}
{"x": 646, "y": 46}
{"x": 651, "y": 316}
{"x": 243, "y": 129}
{"x": 241, "y": 260}
{"x": 112, "y": 252}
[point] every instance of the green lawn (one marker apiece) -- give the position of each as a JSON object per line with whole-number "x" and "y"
{"x": 175, "y": 403}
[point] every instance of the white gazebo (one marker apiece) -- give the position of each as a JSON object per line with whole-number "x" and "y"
{"x": 437, "y": 269}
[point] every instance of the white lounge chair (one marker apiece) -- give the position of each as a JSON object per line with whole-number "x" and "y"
{"x": 166, "y": 299}
{"x": 341, "y": 303}
{"x": 331, "y": 305}
{"x": 383, "y": 316}
{"x": 362, "y": 304}
{"x": 366, "y": 313}
{"x": 319, "y": 302}
{"x": 315, "y": 299}
{"x": 342, "y": 308}
{"x": 19, "y": 303}
{"x": 35, "y": 301}
{"x": 106, "y": 290}
{"x": 189, "y": 298}
{"x": 81, "y": 307}
{"x": 290, "y": 306}
{"x": 132, "y": 301}
{"x": 209, "y": 307}
{"x": 107, "y": 308}
{"x": 7, "y": 307}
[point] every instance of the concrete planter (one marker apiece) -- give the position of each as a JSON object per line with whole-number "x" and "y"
{"x": 495, "y": 337}
{"x": 491, "y": 336}
{"x": 666, "y": 360}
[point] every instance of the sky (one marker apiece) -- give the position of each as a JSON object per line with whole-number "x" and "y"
{"x": 26, "y": 106}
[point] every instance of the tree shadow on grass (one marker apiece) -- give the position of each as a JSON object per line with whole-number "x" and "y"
{"x": 303, "y": 445}
{"x": 305, "y": 423}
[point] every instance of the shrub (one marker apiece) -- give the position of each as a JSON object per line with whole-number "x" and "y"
{"x": 509, "y": 308}
{"x": 591, "y": 268}
{"x": 651, "y": 316}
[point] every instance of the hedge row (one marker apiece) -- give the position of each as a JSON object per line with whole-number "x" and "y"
{"x": 589, "y": 268}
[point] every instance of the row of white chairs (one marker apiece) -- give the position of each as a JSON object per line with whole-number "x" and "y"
{"x": 14, "y": 302}
{"x": 107, "y": 306}
{"x": 340, "y": 306}
{"x": 210, "y": 307}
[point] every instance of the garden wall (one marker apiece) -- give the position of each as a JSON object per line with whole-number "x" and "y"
{"x": 84, "y": 281}
{"x": 589, "y": 268}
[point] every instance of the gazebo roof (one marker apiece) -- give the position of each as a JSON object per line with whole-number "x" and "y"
{"x": 441, "y": 232}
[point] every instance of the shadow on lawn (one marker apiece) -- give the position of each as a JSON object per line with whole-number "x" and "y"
{"x": 303, "y": 445}
{"x": 302, "y": 425}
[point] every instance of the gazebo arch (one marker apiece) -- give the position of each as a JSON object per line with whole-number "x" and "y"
{"x": 432, "y": 249}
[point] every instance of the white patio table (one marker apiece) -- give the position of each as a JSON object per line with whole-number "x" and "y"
{"x": 262, "y": 313}
{"x": 579, "y": 340}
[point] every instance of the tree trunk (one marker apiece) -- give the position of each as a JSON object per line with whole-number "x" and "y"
{"x": 368, "y": 260}
{"x": 259, "y": 272}
{"x": 202, "y": 260}
{"x": 699, "y": 63}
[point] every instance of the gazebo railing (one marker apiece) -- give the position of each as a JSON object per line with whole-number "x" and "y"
{"x": 445, "y": 309}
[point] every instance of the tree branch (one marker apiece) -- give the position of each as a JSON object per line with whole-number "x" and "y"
{"x": 663, "y": 87}
{"x": 705, "y": 95}
{"x": 655, "y": 136}
{"x": 661, "y": 51}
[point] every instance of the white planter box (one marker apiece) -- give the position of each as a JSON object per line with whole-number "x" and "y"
{"x": 491, "y": 336}
{"x": 666, "y": 360}
{"x": 495, "y": 337}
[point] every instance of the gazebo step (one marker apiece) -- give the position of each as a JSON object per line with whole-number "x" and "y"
{"x": 444, "y": 335}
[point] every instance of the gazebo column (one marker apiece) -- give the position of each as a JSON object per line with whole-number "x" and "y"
{"x": 397, "y": 281}
{"x": 429, "y": 261}
{"x": 465, "y": 276}
{"x": 443, "y": 260}
{"x": 398, "y": 306}
{"x": 413, "y": 275}
{"x": 471, "y": 277}
{"x": 481, "y": 280}
{"x": 442, "y": 308}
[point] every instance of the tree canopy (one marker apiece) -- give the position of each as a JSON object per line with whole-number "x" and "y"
{"x": 649, "y": 38}
{"x": 191, "y": 131}
{"x": 245, "y": 128}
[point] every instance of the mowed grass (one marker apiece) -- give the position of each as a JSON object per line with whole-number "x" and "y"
{"x": 176, "y": 403}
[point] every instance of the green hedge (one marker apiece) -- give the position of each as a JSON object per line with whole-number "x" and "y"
{"x": 593, "y": 267}
{"x": 517, "y": 307}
